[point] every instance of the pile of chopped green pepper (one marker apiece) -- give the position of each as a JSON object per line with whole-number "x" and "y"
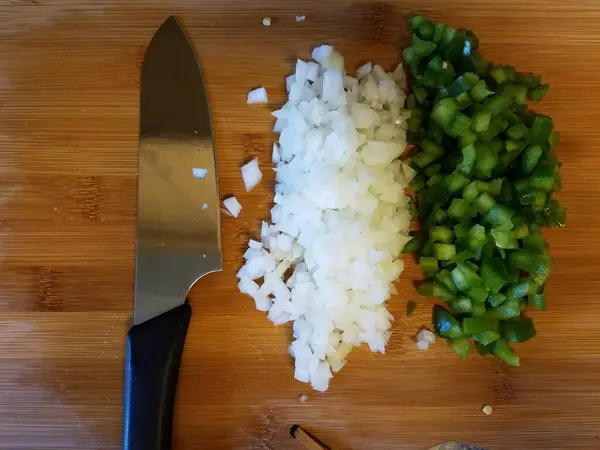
{"x": 486, "y": 172}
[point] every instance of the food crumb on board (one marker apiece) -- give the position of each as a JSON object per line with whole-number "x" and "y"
{"x": 303, "y": 398}
{"x": 266, "y": 21}
{"x": 300, "y": 18}
{"x": 487, "y": 409}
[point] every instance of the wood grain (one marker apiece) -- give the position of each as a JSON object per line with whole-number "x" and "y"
{"x": 69, "y": 73}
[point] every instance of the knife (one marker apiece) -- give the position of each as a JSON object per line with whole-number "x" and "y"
{"x": 178, "y": 233}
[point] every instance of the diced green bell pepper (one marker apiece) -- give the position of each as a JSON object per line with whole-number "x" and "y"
{"x": 461, "y": 346}
{"x": 445, "y": 324}
{"x": 518, "y": 329}
{"x": 504, "y": 353}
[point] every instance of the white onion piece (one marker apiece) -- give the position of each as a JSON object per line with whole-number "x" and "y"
{"x": 340, "y": 219}
{"x": 425, "y": 335}
{"x": 257, "y": 96}
{"x": 276, "y": 156}
{"x": 251, "y": 174}
{"x": 233, "y": 206}
{"x": 422, "y": 345}
{"x": 199, "y": 173}
{"x": 364, "y": 70}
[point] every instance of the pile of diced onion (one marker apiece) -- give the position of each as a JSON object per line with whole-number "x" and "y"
{"x": 328, "y": 260}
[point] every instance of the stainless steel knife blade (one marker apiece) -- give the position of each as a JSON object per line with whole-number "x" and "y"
{"x": 178, "y": 232}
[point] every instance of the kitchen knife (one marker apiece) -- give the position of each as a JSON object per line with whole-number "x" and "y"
{"x": 178, "y": 237}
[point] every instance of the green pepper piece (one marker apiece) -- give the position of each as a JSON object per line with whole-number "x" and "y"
{"x": 480, "y": 64}
{"x": 506, "y": 310}
{"x": 480, "y": 91}
{"x": 432, "y": 148}
{"x": 468, "y": 159}
{"x": 518, "y": 329}
{"x": 441, "y": 234}
{"x": 459, "y": 125}
{"x": 478, "y": 293}
{"x": 426, "y": 30}
{"x": 496, "y": 299}
{"x": 438, "y": 32}
{"x": 477, "y": 237}
{"x": 500, "y": 217}
{"x": 461, "y": 209}
{"x": 504, "y": 353}
{"x": 517, "y": 132}
{"x": 420, "y": 94}
{"x": 541, "y": 129}
{"x": 423, "y": 159}
{"x": 415, "y": 244}
{"x": 520, "y": 289}
{"x": 444, "y": 277}
{"x": 433, "y": 169}
{"x": 486, "y": 337}
{"x": 498, "y": 73}
{"x": 529, "y": 80}
{"x": 445, "y": 324}
{"x": 444, "y": 111}
{"x": 447, "y": 38}
{"x": 484, "y": 203}
{"x": 535, "y": 242}
{"x": 497, "y": 103}
{"x": 481, "y": 121}
{"x": 416, "y": 21}
{"x": 462, "y": 305}
{"x": 409, "y": 56}
{"x": 515, "y": 146}
{"x": 428, "y": 264}
{"x": 443, "y": 252}
{"x": 435, "y": 63}
{"x": 537, "y": 301}
{"x": 467, "y": 138}
{"x": 538, "y": 93}
{"x": 494, "y": 274}
{"x": 422, "y": 48}
{"x": 471, "y": 191}
{"x": 461, "y": 347}
{"x": 531, "y": 157}
{"x": 464, "y": 277}
{"x": 410, "y": 308}
{"x": 478, "y": 309}
{"x": 455, "y": 182}
{"x": 520, "y": 231}
{"x": 543, "y": 176}
{"x": 417, "y": 183}
{"x": 504, "y": 239}
{"x": 459, "y": 86}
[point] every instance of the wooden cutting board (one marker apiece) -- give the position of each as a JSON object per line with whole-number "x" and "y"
{"x": 69, "y": 73}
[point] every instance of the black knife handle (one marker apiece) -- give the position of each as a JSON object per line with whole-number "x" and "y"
{"x": 153, "y": 358}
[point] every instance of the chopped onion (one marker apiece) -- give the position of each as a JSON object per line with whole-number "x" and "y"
{"x": 251, "y": 174}
{"x": 233, "y": 206}
{"x": 425, "y": 335}
{"x": 364, "y": 70}
{"x": 422, "y": 345}
{"x": 199, "y": 173}
{"x": 340, "y": 219}
{"x": 276, "y": 157}
{"x": 257, "y": 96}
{"x": 266, "y": 21}
{"x": 300, "y": 18}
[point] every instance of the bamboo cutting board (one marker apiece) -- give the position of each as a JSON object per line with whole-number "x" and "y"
{"x": 69, "y": 74}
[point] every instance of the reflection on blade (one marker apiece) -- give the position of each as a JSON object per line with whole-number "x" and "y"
{"x": 178, "y": 214}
